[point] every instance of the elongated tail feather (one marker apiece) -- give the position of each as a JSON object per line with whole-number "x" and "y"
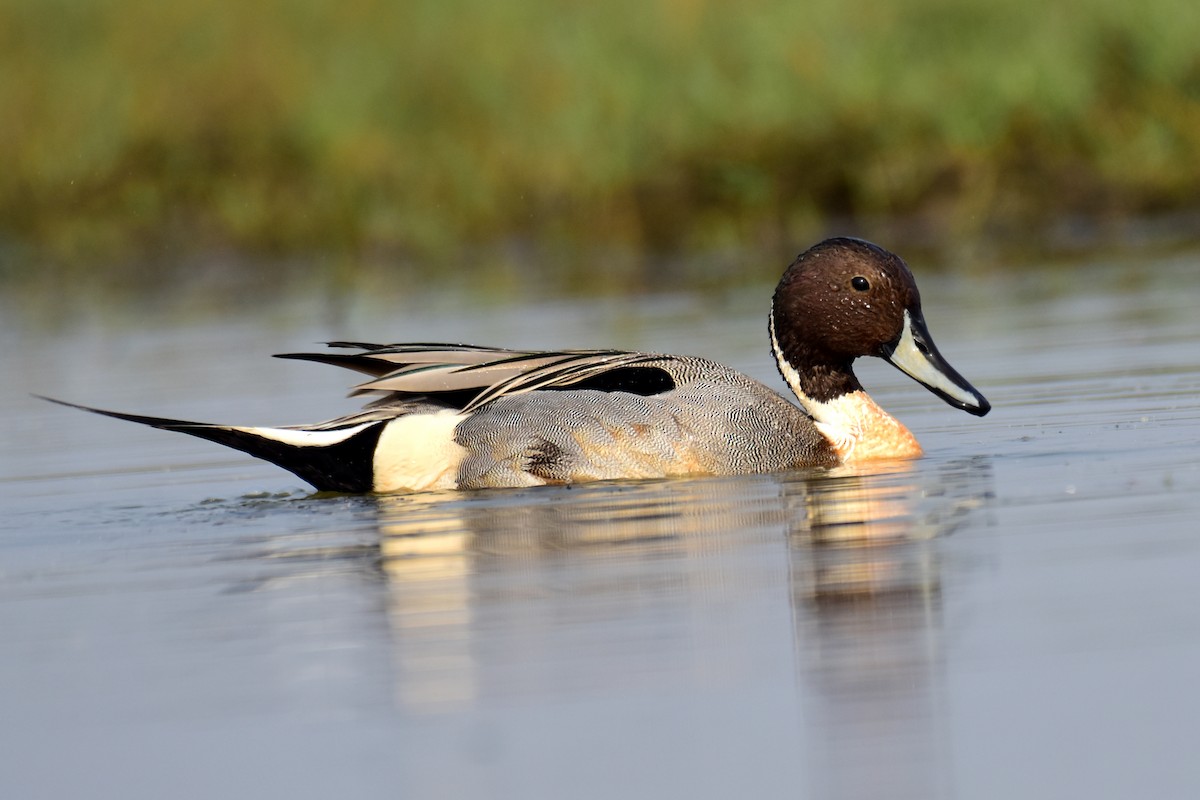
{"x": 332, "y": 460}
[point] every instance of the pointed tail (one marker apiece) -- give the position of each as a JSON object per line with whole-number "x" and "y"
{"x": 337, "y": 459}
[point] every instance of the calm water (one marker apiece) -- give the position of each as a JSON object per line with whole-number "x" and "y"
{"x": 1013, "y": 616}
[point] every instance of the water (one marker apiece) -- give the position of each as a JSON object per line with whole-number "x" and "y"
{"x": 1012, "y": 616}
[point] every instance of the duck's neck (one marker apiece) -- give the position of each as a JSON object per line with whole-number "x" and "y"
{"x": 856, "y": 427}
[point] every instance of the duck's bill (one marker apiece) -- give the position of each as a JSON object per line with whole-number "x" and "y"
{"x": 915, "y": 355}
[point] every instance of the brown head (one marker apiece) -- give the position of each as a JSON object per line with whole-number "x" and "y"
{"x": 844, "y": 298}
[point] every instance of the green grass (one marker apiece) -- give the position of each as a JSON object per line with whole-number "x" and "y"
{"x": 426, "y": 131}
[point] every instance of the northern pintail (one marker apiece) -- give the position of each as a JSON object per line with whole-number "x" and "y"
{"x": 455, "y": 416}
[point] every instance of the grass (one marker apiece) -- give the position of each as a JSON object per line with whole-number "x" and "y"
{"x": 137, "y": 134}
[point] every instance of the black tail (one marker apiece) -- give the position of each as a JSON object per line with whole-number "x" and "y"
{"x": 330, "y": 465}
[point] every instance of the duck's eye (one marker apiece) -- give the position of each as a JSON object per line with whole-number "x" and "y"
{"x": 860, "y": 283}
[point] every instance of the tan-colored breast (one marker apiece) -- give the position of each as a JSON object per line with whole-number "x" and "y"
{"x": 860, "y": 430}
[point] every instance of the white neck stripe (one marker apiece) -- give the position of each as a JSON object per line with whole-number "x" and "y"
{"x": 790, "y": 375}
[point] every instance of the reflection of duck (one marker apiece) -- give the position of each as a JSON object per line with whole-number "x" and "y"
{"x": 495, "y": 594}
{"x": 457, "y": 416}
{"x": 867, "y": 602}
{"x": 864, "y": 535}
{"x": 859, "y": 528}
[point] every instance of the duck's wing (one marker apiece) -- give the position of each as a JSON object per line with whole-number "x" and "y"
{"x": 467, "y": 377}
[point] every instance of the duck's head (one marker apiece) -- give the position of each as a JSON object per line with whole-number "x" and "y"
{"x": 844, "y": 298}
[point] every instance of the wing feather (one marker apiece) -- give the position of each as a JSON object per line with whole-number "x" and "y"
{"x": 380, "y": 360}
{"x": 468, "y": 376}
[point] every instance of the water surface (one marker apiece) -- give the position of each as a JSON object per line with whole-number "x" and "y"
{"x": 1011, "y": 616}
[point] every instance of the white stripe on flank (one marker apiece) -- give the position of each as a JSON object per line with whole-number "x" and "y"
{"x": 418, "y": 451}
{"x": 303, "y": 438}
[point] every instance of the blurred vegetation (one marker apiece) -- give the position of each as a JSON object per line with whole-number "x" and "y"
{"x": 136, "y": 134}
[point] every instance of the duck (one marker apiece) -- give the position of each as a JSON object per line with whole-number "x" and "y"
{"x": 460, "y": 416}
